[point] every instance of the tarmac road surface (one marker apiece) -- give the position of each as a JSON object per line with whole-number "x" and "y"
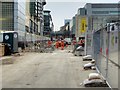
{"x": 59, "y": 69}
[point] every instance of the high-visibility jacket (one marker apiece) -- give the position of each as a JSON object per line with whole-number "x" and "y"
{"x": 49, "y": 43}
{"x": 62, "y": 45}
{"x": 57, "y": 44}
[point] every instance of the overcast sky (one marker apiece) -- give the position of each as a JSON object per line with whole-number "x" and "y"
{"x": 66, "y": 9}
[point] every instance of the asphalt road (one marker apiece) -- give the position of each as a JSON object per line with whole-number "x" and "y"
{"x": 59, "y": 69}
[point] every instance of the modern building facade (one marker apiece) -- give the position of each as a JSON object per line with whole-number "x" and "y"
{"x": 13, "y": 15}
{"x": 67, "y": 29}
{"x": 48, "y": 23}
{"x": 24, "y": 17}
{"x": 93, "y": 17}
{"x": 36, "y": 12}
{"x": 34, "y": 20}
{"x": 73, "y": 27}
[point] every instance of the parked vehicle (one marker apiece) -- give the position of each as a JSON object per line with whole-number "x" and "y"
{"x": 68, "y": 41}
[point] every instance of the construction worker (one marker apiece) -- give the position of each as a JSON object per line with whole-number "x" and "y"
{"x": 62, "y": 45}
{"x": 57, "y": 44}
{"x": 49, "y": 43}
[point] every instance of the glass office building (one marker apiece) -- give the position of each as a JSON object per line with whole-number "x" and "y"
{"x": 48, "y": 23}
{"x": 19, "y": 19}
{"x": 34, "y": 20}
{"x": 13, "y": 17}
{"x": 7, "y": 16}
{"x": 23, "y": 16}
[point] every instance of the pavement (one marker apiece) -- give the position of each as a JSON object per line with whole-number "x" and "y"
{"x": 59, "y": 69}
{"x": 7, "y": 60}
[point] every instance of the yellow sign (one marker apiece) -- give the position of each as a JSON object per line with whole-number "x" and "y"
{"x": 83, "y": 25}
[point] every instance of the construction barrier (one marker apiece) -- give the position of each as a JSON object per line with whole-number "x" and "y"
{"x": 105, "y": 52}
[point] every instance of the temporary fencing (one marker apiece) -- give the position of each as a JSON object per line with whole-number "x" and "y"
{"x": 105, "y": 52}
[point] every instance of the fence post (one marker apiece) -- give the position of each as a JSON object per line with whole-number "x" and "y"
{"x": 107, "y": 49}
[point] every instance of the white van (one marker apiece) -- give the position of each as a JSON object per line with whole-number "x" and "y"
{"x": 68, "y": 40}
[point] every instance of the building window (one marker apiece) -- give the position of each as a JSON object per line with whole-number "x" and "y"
{"x": 104, "y": 5}
{"x": 7, "y": 13}
{"x": 100, "y": 12}
{"x": 115, "y": 12}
